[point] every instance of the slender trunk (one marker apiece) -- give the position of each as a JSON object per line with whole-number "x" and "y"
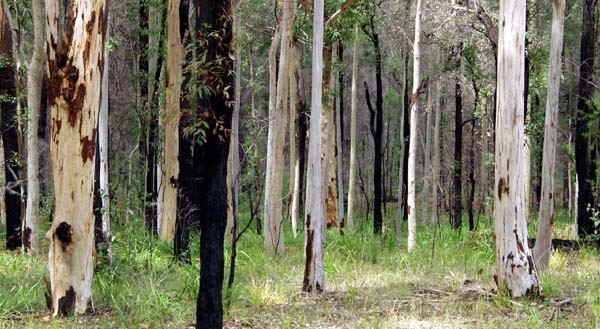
{"x": 31, "y": 228}
{"x": 349, "y": 224}
{"x": 170, "y": 122}
{"x": 403, "y": 168}
{"x": 584, "y": 166}
{"x": 339, "y": 109}
{"x": 75, "y": 63}
{"x": 541, "y": 251}
{"x": 294, "y": 137}
{"x": 427, "y": 158}
{"x": 516, "y": 270}
{"x": 103, "y": 154}
{"x": 436, "y": 154}
{"x": 314, "y": 271}
{"x": 329, "y": 139}
{"x": 457, "y": 218}
{"x": 273, "y": 220}
{"x": 412, "y": 151}
{"x": 10, "y": 133}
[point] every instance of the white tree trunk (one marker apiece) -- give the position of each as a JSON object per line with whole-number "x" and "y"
{"x": 273, "y": 228}
{"x": 74, "y": 101}
{"x": 31, "y": 229}
{"x": 516, "y": 270}
{"x": 103, "y": 152}
{"x": 436, "y": 155}
{"x": 170, "y": 122}
{"x": 541, "y": 251}
{"x": 314, "y": 272}
{"x": 412, "y": 150}
{"x": 353, "y": 104}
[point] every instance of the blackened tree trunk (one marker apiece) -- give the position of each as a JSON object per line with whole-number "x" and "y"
{"x": 406, "y": 136}
{"x": 10, "y": 135}
{"x": 203, "y": 166}
{"x": 376, "y": 126}
{"x": 457, "y": 220}
{"x": 584, "y": 165}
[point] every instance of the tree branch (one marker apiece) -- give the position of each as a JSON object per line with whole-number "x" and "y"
{"x": 345, "y": 6}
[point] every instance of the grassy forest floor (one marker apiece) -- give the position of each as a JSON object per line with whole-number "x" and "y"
{"x": 370, "y": 283}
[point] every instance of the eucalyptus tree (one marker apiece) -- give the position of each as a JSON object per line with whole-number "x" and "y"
{"x": 31, "y": 228}
{"x": 541, "y": 251}
{"x": 516, "y": 270}
{"x": 75, "y": 54}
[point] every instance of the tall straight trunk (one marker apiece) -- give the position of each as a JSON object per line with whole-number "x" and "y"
{"x": 103, "y": 154}
{"x": 349, "y": 223}
{"x": 541, "y": 251}
{"x": 295, "y": 175}
{"x": 427, "y": 157}
{"x": 272, "y": 226}
{"x": 10, "y": 134}
{"x": 403, "y": 168}
{"x": 516, "y": 270}
{"x": 205, "y": 186}
{"x": 170, "y": 124}
{"x": 376, "y": 127}
{"x": 314, "y": 270}
{"x": 2, "y": 191}
{"x": 412, "y": 150}
{"x": 584, "y": 165}
{"x": 75, "y": 58}
{"x": 233, "y": 166}
{"x": 435, "y": 182}
{"x": 403, "y": 195}
{"x": 31, "y": 227}
{"x": 457, "y": 218}
{"x": 339, "y": 112}
{"x": 329, "y": 138}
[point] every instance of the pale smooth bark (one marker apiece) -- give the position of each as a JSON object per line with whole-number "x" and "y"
{"x": 31, "y": 227}
{"x": 273, "y": 217}
{"x": 103, "y": 153}
{"x": 541, "y": 251}
{"x": 516, "y": 270}
{"x": 435, "y": 171}
{"x": 353, "y": 104}
{"x": 314, "y": 271}
{"x": 170, "y": 165}
{"x": 74, "y": 100}
{"x": 412, "y": 150}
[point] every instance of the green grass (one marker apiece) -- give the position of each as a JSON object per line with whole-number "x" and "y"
{"x": 370, "y": 283}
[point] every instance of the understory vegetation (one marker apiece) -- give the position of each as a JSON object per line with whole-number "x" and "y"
{"x": 371, "y": 283}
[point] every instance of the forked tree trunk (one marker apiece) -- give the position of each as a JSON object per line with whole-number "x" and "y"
{"x": 273, "y": 219}
{"x": 31, "y": 227}
{"x": 10, "y": 134}
{"x": 516, "y": 270}
{"x": 543, "y": 242}
{"x": 75, "y": 65}
{"x": 349, "y": 223}
{"x": 314, "y": 271}
{"x": 412, "y": 150}
{"x": 170, "y": 122}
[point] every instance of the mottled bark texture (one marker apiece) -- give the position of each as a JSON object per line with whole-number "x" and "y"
{"x": 516, "y": 270}
{"x": 75, "y": 55}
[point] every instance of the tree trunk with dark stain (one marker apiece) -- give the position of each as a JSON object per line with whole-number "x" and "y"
{"x": 584, "y": 166}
